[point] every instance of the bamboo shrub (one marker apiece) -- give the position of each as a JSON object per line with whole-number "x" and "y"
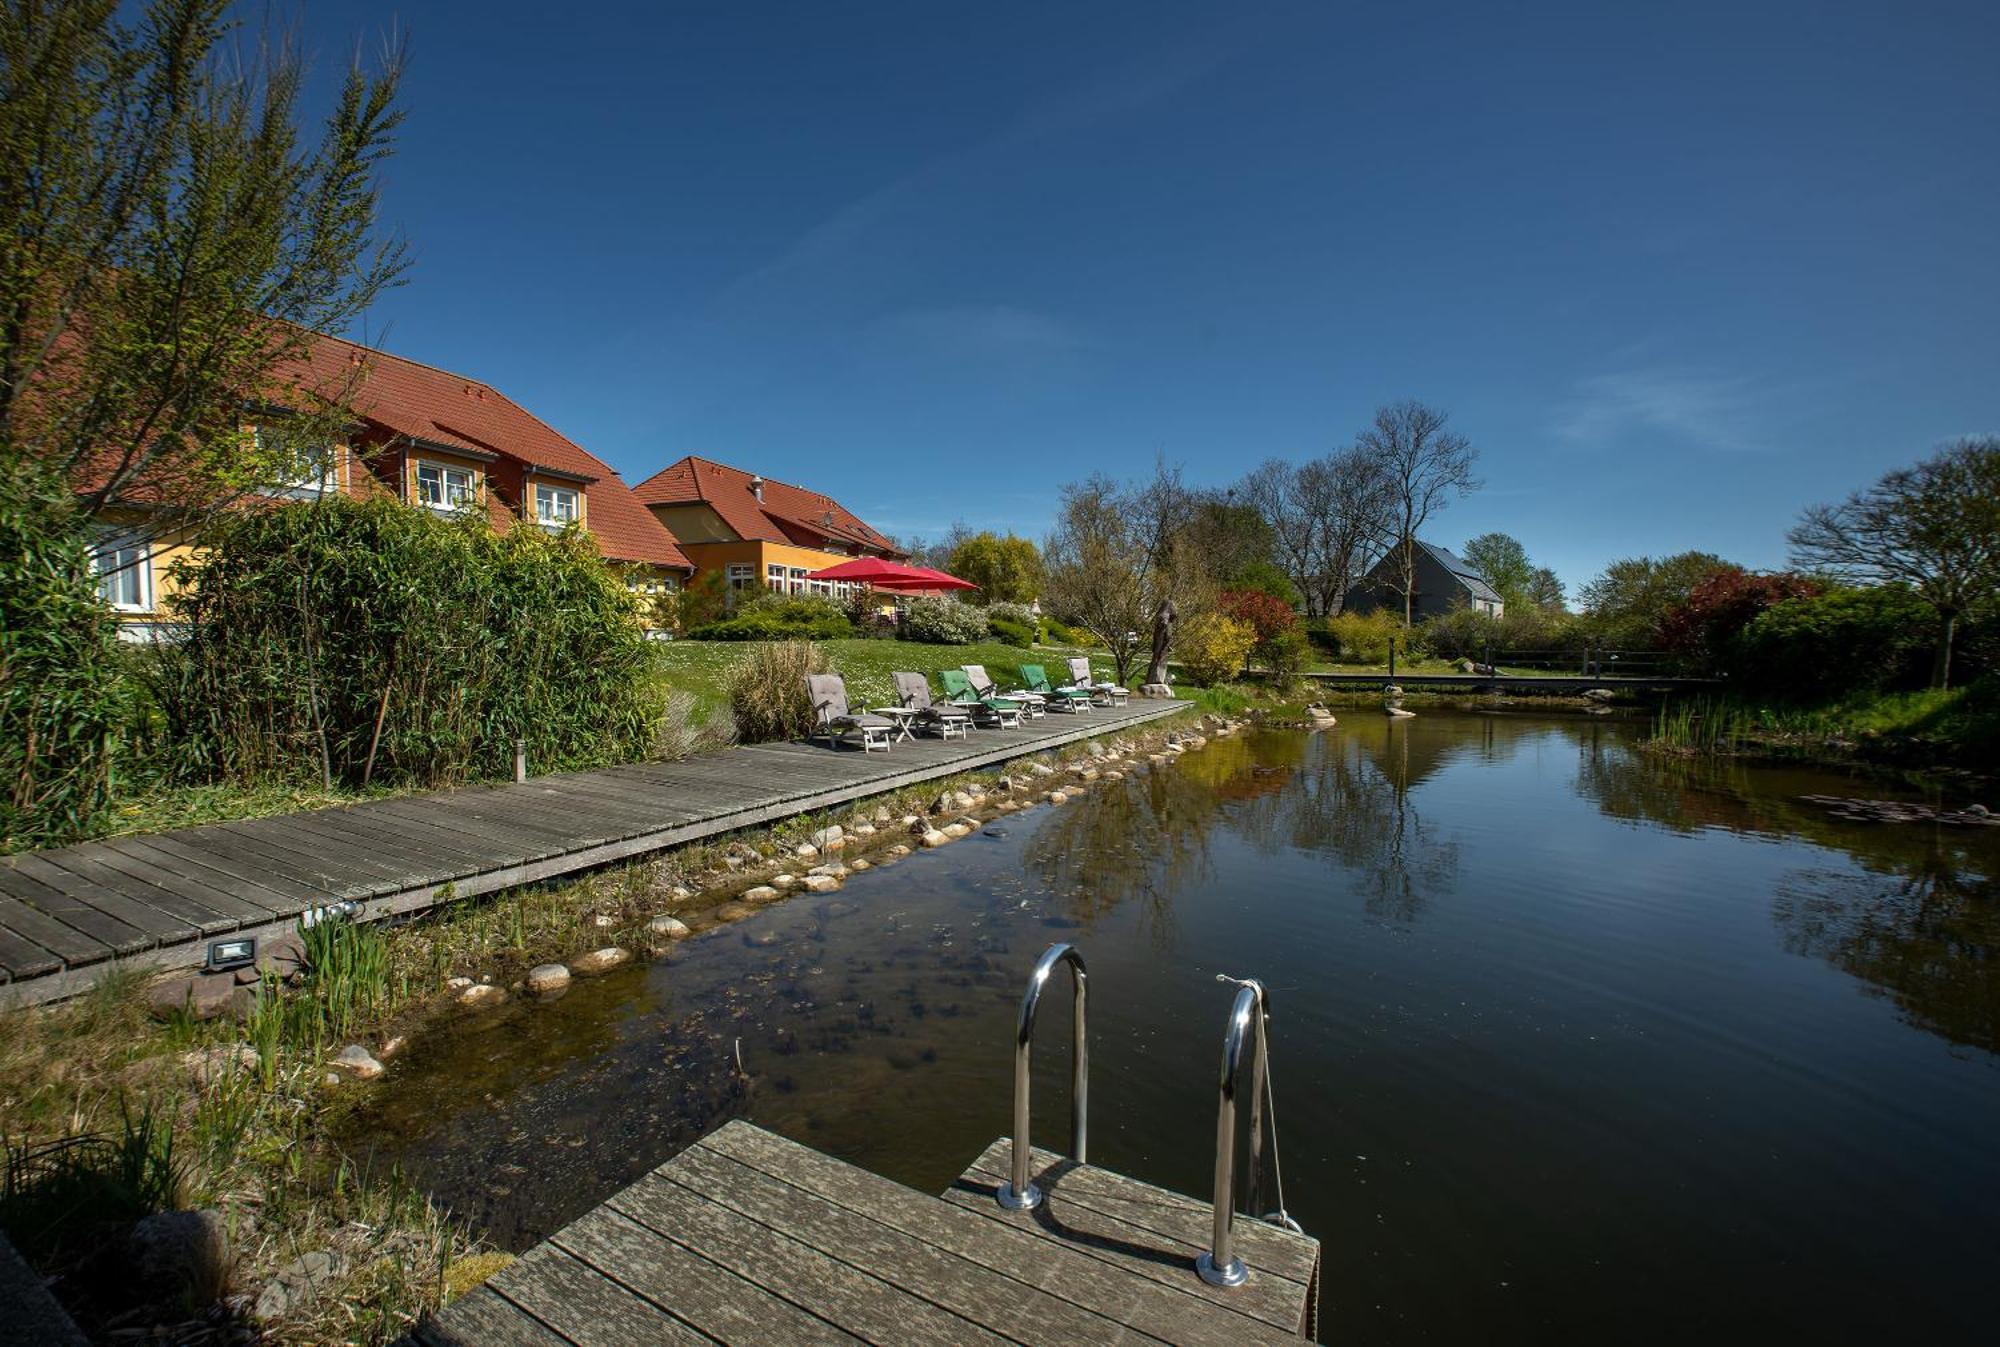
{"x": 364, "y": 642}
{"x": 61, "y": 688}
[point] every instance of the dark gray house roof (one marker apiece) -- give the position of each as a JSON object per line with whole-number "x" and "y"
{"x": 1457, "y": 566}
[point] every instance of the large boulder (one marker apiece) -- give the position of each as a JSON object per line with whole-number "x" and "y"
{"x": 600, "y": 961}
{"x": 182, "y": 1256}
{"x": 548, "y": 979}
{"x": 356, "y": 1062}
{"x": 297, "y": 1284}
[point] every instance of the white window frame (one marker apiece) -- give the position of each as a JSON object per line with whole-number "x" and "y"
{"x": 553, "y": 497}
{"x": 445, "y": 472}
{"x": 774, "y": 577}
{"x": 108, "y": 559}
{"x": 308, "y": 485}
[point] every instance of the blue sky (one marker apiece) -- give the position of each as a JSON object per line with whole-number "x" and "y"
{"x": 1677, "y": 270}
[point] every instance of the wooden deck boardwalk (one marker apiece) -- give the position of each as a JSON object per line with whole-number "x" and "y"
{"x": 155, "y": 900}
{"x": 748, "y": 1238}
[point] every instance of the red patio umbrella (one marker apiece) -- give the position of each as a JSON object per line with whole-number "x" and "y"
{"x": 884, "y": 574}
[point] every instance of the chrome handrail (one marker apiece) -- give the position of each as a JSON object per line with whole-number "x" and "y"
{"x": 1020, "y": 1194}
{"x": 1219, "y": 1265}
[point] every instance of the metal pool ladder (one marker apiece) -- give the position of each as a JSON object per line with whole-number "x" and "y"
{"x": 1019, "y": 1194}
{"x": 1247, "y": 1030}
{"x": 1218, "y": 1264}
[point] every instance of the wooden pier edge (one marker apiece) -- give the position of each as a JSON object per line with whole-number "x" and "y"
{"x": 296, "y": 864}
{"x": 746, "y": 1237}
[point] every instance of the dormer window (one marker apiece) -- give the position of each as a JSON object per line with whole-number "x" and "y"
{"x": 443, "y": 488}
{"x": 555, "y": 506}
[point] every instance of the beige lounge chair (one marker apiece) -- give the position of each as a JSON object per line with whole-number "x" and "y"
{"x": 1033, "y": 704}
{"x": 836, "y": 722}
{"x": 1106, "y": 692}
{"x": 913, "y": 690}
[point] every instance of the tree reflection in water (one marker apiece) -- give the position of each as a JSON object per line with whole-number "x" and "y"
{"x": 1348, "y": 798}
{"x": 1925, "y": 936}
{"x": 1920, "y": 920}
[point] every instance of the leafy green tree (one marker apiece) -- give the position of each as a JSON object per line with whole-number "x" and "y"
{"x": 1545, "y": 590}
{"x": 1503, "y": 563}
{"x": 172, "y": 245}
{"x": 1629, "y": 603}
{"x": 1263, "y": 577}
{"x": 1934, "y": 527}
{"x": 1007, "y": 569}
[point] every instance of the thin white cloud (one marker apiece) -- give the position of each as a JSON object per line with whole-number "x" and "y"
{"x": 1710, "y": 411}
{"x": 984, "y": 330}
{"x": 885, "y": 223}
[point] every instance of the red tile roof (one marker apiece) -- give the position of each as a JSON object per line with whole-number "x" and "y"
{"x": 423, "y": 402}
{"x": 787, "y": 514}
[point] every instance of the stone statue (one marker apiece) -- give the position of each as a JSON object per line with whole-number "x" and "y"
{"x": 1163, "y": 640}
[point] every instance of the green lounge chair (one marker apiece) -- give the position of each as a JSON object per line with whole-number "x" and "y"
{"x": 829, "y": 699}
{"x": 913, "y": 690}
{"x": 1073, "y": 700}
{"x": 985, "y": 710}
{"x": 1033, "y": 704}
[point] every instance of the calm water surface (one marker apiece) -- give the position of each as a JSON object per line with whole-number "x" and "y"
{"x": 1567, "y": 1041}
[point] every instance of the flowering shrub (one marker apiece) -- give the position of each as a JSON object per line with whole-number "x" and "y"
{"x": 1212, "y": 647}
{"x": 1265, "y": 614}
{"x": 943, "y": 622}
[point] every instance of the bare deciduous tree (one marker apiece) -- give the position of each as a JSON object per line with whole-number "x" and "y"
{"x": 1121, "y": 564}
{"x": 1934, "y": 527}
{"x": 1325, "y": 517}
{"x": 1425, "y": 466}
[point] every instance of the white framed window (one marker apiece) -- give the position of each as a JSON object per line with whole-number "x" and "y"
{"x": 798, "y": 579}
{"x": 125, "y": 574}
{"x": 314, "y": 470}
{"x": 443, "y": 488}
{"x": 555, "y": 506}
{"x": 774, "y": 577}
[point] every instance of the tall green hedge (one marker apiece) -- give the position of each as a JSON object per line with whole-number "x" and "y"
{"x": 1832, "y": 644}
{"x": 368, "y": 642}
{"x": 61, "y": 689}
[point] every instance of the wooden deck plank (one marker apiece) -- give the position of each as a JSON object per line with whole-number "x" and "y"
{"x": 403, "y": 855}
{"x": 583, "y": 1305}
{"x": 728, "y": 1304}
{"x": 117, "y": 935}
{"x": 280, "y": 872}
{"x": 1187, "y": 1223}
{"x": 21, "y": 957}
{"x": 875, "y": 1309}
{"x": 482, "y": 1317}
{"x": 341, "y": 875}
{"x": 231, "y": 878}
{"x": 1175, "y": 1305}
{"x": 491, "y": 846}
{"x": 65, "y": 942}
{"x": 466, "y": 811}
{"x": 412, "y": 864}
{"x": 943, "y": 1276}
{"x": 167, "y": 887}
{"x": 132, "y": 909}
{"x": 394, "y": 839}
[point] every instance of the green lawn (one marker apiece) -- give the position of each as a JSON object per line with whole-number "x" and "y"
{"x": 703, "y": 667}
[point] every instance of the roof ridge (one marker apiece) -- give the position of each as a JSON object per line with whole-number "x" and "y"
{"x": 420, "y": 364}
